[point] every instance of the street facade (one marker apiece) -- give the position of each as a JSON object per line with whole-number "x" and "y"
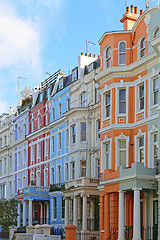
{"x": 83, "y": 149}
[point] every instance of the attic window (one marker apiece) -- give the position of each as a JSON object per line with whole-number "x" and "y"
{"x": 48, "y": 92}
{"x": 74, "y": 75}
{"x": 61, "y": 84}
{"x": 90, "y": 67}
{"x": 156, "y": 32}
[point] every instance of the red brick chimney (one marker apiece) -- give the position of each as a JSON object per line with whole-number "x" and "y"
{"x": 130, "y": 17}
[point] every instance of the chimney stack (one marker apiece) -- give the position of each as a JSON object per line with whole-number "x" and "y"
{"x": 130, "y": 17}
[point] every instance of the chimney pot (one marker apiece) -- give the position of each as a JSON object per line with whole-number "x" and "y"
{"x": 127, "y": 10}
{"x": 82, "y": 53}
{"x": 86, "y": 54}
{"x": 141, "y": 11}
{"x": 132, "y": 7}
{"x": 99, "y": 56}
{"x": 94, "y": 55}
{"x": 90, "y": 55}
{"x": 136, "y": 10}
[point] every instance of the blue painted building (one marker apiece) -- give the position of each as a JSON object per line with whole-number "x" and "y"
{"x": 59, "y": 143}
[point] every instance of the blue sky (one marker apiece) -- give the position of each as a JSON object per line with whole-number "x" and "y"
{"x": 39, "y": 36}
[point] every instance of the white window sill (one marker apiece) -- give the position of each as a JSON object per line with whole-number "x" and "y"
{"x": 140, "y": 111}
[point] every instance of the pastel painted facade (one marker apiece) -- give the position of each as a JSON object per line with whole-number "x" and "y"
{"x": 129, "y": 166}
{"x": 59, "y": 104}
{"x": 82, "y": 167}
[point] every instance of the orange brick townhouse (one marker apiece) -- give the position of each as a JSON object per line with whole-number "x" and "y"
{"x": 130, "y": 126}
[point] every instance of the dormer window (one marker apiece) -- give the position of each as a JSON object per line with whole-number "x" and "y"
{"x": 122, "y": 53}
{"x": 61, "y": 84}
{"x": 142, "y": 47}
{"x": 48, "y": 92}
{"x": 74, "y": 75}
{"x": 108, "y": 57}
{"x": 90, "y": 67}
{"x": 41, "y": 97}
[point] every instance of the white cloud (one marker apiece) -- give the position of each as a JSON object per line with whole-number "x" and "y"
{"x": 19, "y": 39}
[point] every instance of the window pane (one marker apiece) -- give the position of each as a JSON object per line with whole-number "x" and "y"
{"x": 155, "y": 137}
{"x": 141, "y": 142}
{"x": 122, "y": 144}
{"x": 122, "y": 94}
{"x": 141, "y": 103}
{"x": 108, "y": 99}
{"x": 122, "y": 47}
{"x": 122, "y": 107}
{"x": 156, "y": 97}
{"x": 155, "y": 84}
{"x": 122, "y": 158}
{"x": 142, "y": 155}
{"x": 122, "y": 58}
{"x": 108, "y": 52}
{"x": 141, "y": 92}
{"x": 108, "y": 111}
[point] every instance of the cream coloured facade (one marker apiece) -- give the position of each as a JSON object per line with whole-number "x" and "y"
{"x": 81, "y": 181}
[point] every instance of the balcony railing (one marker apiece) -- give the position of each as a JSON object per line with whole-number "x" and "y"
{"x": 82, "y": 182}
{"x": 56, "y": 187}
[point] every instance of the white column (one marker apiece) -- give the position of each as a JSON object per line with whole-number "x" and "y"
{"x": 19, "y": 215}
{"x": 30, "y": 211}
{"x": 121, "y": 234}
{"x": 66, "y": 211}
{"x": 84, "y": 220}
{"x": 136, "y": 220}
{"x": 24, "y": 213}
{"x": 41, "y": 211}
{"x": 75, "y": 211}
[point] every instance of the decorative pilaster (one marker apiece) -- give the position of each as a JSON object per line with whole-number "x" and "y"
{"x": 121, "y": 234}
{"x": 136, "y": 220}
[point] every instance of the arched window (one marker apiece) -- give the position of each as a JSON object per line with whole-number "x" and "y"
{"x": 142, "y": 47}
{"x": 122, "y": 53}
{"x": 108, "y": 57}
{"x": 156, "y": 33}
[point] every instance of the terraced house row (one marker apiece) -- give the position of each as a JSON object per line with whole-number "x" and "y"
{"x": 84, "y": 150}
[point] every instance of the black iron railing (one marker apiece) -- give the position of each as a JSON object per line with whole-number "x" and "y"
{"x": 58, "y": 231}
{"x": 50, "y": 80}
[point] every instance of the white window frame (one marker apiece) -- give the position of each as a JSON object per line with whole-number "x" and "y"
{"x": 155, "y": 91}
{"x": 60, "y": 110}
{"x": 103, "y": 153}
{"x": 151, "y": 133}
{"x": 59, "y": 141}
{"x": 66, "y": 171}
{"x": 122, "y": 101}
{"x": 67, "y": 138}
{"x": 46, "y": 147}
{"x": 38, "y": 150}
{"x": 84, "y": 132}
{"x": 73, "y": 134}
{"x": 83, "y": 99}
{"x": 122, "y": 53}
{"x": 53, "y": 144}
{"x": 136, "y": 141}
{"x": 107, "y": 105}
{"x": 117, "y": 139}
{"x": 32, "y": 153}
{"x": 72, "y": 170}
